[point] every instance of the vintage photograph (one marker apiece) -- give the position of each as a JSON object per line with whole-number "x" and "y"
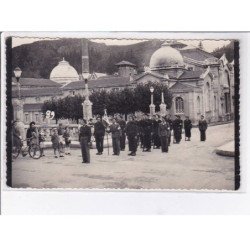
{"x": 122, "y": 114}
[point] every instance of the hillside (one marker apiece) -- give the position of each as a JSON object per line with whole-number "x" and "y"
{"x": 39, "y": 58}
{"x": 228, "y": 50}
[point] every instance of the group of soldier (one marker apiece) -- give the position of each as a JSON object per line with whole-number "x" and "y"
{"x": 143, "y": 132}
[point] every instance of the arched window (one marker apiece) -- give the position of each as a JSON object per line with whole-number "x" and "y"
{"x": 207, "y": 96}
{"x": 215, "y": 103}
{"x": 179, "y": 105}
{"x": 198, "y": 105}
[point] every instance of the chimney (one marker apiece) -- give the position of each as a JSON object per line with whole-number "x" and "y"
{"x": 85, "y": 57}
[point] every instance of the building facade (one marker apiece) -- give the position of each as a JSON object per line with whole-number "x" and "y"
{"x": 200, "y": 83}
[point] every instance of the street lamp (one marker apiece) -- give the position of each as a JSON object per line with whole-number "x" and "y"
{"x": 18, "y": 73}
{"x": 152, "y": 106}
{"x": 152, "y": 97}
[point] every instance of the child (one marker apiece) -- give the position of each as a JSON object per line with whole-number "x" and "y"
{"x": 67, "y": 138}
{"x": 56, "y": 143}
{"x": 41, "y": 137}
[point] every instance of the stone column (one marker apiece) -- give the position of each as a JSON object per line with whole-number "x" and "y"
{"x": 152, "y": 106}
{"x": 163, "y": 106}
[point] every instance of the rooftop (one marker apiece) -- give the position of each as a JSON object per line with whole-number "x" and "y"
{"x": 32, "y": 107}
{"x": 125, "y": 63}
{"x": 102, "y": 82}
{"x": 36, "y": 92}
{"x": 191, "y": 74}
{"x": 36, "y": 82}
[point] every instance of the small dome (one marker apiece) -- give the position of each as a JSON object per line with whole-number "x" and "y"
{"x": 165, "y": 57}
{"x": 64, "y": 73}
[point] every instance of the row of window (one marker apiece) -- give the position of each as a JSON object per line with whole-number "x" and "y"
{"x": 34, "y": 118}
{"x": 179, "y": 104}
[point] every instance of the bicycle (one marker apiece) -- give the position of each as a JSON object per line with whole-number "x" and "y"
{"x": 32, "y": 149}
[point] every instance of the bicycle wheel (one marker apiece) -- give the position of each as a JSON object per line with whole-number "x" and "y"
{"x": 15, "y": 152}
{"x": 35, "y": 151}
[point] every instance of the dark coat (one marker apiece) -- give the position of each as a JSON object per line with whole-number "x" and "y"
{"x": 115, "y": 130}
{"x": 132, "y": 129}
{"x": 99, "y": 129}
{"x": 203, "y": 125}
{"x": 85, "y": 131}
{"x": 164, "y": 129}
{"x": 187, "y": 124}
{"x": 177, "y": 125}
{"x": 55, "y": 140}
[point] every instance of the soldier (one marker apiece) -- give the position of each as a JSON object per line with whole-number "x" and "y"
{"x": 141, "y": 123}
{"x": 115, "y": 130}
{"x": 122, "y": 124}
{"x": 99, "y": 132}
{"x": 177, "y": 127}
{"x": 187, "y": 128}
{"x": 203, "y": 128}
{"x": 156, "y": 138}
{"x": 84, "y": 138}
{"x": 163, "y": 131}
{"x": 170, "y": 122}
{"x": 132, "y": 132}
{"x": 147, "y": 127}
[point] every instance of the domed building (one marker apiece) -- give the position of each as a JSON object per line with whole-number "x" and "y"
{"x": 64, "y": 73}
{"x": 200, "y": 83}
{"x": 166, "y": 57}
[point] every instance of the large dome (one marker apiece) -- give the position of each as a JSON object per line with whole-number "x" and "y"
{"x": 64, "y": 73}
{"x": 165, "y": 57}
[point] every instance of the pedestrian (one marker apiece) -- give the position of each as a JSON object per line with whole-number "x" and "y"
{"x": 187, "y": 127}
{"x": 170, "y": 122}
{"x": 84, "y": 139}
{"x": 177, "y": 127}
{"x": 99, "y": 132}
{"x": 156, "y": 138}
{"x": 67, "y": 140}
{"x": 163, "y": 131}
{"x": 202, "y": 128}
{"x": 122, "y": 124}
{"x": 56, "y": 143}
{"x": 132, "y": 132}
{"x": 141, "y": 123}
{"x": 148, "y": 129}
{"x": 31, "y": 133}
{"x": 115, "y": 131}
{"x": 60, "y": 134}
{"x": 41, "y": 139}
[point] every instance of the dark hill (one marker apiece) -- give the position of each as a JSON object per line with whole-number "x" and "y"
{"x": 39, "y": 58}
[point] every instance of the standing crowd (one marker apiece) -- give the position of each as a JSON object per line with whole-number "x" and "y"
{"x": 144, "y": 132}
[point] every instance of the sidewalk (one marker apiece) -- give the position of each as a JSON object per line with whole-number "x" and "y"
{"x": 226, "y": 149}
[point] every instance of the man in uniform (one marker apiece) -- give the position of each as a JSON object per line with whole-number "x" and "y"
{"x": 115, "y": 130}
{"x": 177, "y": 127}
{"x": 203, "y": 128}
{"x": 156, "y": 138}
{"x": 170, "y": 122}
{"x": 99, "y": 132}
{"x": 187, "y": 128}
{"x": 132, "y": 132}
{"x": 122, "y": 124}
{"x": 163, "y": 131}
{"x": 147, "y": 127}
{"x": 84, "y": 138}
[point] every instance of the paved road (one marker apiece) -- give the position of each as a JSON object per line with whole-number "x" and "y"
{"x": 189, "y": 165}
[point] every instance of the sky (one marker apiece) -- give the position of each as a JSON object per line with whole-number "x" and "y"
{"x": 209, "y": 45}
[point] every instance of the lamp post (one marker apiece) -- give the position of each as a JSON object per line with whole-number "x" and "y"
{"x": 152, "y": 106}
{"x": 163, "y": 105}
{"x": 87, "y": 104}
{"x": 18, "y": 73}
{"x": 18, "y": 104}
